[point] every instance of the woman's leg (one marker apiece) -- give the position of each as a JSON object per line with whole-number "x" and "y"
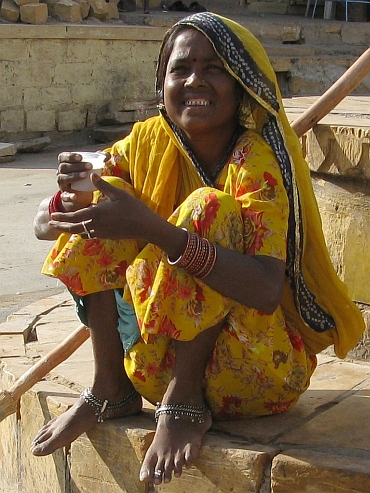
{"x": 110, "y": 381}
{"x": 177, "y": 441}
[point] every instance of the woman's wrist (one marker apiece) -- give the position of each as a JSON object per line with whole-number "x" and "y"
{"x": 56, "y": 203}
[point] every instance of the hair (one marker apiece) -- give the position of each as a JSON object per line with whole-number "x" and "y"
{"x": 165, "y": 56}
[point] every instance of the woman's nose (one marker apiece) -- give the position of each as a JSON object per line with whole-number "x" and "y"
{"x": 194, "y": 80}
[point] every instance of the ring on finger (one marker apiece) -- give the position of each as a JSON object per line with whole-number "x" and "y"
{"x": 158, "y": 474}
{"x": 86, "y": 230}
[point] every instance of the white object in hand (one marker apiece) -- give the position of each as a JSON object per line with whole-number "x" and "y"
{"x": 97, "y": 160}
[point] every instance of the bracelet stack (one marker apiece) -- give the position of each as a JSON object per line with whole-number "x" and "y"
{"x": 55, "y": 204}
{"x": 199, "y": 256}
{"x": 178, "y": 411}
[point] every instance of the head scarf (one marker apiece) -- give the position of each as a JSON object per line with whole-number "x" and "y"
{"x": 317, "y": 300}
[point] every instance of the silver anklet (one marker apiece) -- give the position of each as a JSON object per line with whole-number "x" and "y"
{"x": 179, "y": 410}
{"x": 104, "y": 406}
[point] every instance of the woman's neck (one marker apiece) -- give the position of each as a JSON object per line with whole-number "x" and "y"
{"x": 210, "y": 149}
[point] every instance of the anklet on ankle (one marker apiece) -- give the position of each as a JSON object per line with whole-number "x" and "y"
{"x": 104, "y": 406}
{"x": 179, "y": 410}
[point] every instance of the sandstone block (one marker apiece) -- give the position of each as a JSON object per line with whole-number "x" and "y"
{"x": 99, "y": 9}
{"x": 34, "y": 13}
{"x": 32, "y": 145}
{"x": 9, "y": 11}
{"x": 38, "y": 407}
{"x": 24, "y": 2}
{"x": 84, "y": 8}
{"x": 111, "y": 133}
{"x": 116, "y": 117}
{"x": 112, "y": 9}
{"x": 12, "y": 120}
{"x": 66, "y": 11}
{"x": 7, "y": 149}
{"x": 339, "y": 150}
{"x": 71, "y": 120}
{"x": 318, "y": 472}
{"x": 345, "y": 212}
{"x": 40, "y": 120}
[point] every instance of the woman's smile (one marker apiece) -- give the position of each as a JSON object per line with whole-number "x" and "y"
{"x": 197, "y": 102}
{"x": 199, "y": 93}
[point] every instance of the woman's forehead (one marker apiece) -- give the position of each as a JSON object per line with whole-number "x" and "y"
{"x": 190, "y": 42}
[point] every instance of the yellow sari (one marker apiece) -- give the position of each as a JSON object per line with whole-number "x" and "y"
{"x": 262, "y": 203}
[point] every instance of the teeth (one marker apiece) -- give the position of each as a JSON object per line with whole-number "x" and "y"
{"x": 197, "y": 102}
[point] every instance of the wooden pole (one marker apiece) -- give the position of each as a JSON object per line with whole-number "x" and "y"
{"x": 333, "y": 96}
{"x": 9, "y": 398}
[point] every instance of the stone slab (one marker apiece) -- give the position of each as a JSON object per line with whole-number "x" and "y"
{"x": 344, "y": 425}
{"x": 7, "y": 149}
{"x": 316, "y": 471}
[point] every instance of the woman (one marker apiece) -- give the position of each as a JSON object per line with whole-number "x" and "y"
{"x": 234, "y": 294}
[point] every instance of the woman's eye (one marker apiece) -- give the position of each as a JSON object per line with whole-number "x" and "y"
{"x": 215, "y": 67}
{"x": 177, "y": 68}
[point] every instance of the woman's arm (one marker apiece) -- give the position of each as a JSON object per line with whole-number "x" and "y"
{"x": 124, "y": 216}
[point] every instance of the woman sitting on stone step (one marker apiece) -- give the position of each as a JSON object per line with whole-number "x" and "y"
{"x": 208, "y": 251}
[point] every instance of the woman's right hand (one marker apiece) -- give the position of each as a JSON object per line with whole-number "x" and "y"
{"x": 70, "y": 170}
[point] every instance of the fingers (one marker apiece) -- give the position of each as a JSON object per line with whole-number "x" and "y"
{"x": 78, "y": 222}
{"x": 113, "y": 193}
{"x": 71, "y": 169}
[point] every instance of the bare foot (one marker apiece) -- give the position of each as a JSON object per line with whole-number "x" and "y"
{"x": 176, "y": 444}
{"x": 64, "y": 429}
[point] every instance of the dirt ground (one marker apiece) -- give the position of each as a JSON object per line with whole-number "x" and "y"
{"x": 25, "y": 181}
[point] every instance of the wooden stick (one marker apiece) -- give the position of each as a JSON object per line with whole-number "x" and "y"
{"x": 334, "y": 95}
{"x": 9, "y": 398}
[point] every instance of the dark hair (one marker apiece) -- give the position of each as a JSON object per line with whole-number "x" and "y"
{"x": 165, "y": 56}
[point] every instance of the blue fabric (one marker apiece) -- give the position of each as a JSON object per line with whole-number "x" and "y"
{"x": 127, "y": 323}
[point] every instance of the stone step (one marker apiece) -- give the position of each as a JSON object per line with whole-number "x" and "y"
{"x": 297, "y": 451}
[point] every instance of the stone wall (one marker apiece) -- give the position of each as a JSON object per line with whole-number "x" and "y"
{"x": 57, "y": 78}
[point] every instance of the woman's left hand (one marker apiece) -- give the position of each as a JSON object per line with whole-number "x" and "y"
{"x": 120, "y": 216}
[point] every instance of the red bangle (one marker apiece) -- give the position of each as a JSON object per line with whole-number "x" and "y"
{"x": 55, "y": 204}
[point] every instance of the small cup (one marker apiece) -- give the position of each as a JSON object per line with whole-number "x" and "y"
{"x": 97, "y": 159}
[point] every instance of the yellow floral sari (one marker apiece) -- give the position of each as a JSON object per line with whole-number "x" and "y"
{"x": 261, "y": 203}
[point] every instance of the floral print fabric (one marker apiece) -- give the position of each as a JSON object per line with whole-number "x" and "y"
{"x": 259, "y": 364}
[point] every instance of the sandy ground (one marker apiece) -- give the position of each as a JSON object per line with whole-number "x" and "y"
{"x": 24, "y": 183}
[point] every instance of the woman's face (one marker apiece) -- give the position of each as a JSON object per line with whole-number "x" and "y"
{"x": 199, "y": 94}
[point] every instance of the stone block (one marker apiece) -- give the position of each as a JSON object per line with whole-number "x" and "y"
{"x": 32, "y": 145}
{"x": 116, "y": 117}
{"x": 34, "y": 13}
{"x": 38, "y": 406}
{"x": 12, "y": 120}
{"x": 9, "y": 10}
{"x": 40, "y": 121}
{"x": 362, "y": 350}
{"x": 24, "y": 2}
{"x": 112, "y": 11}
{"x": 7, "y": 149}
{"x": 84, "y": 8}
{"x": 116, "y": 473}
{"x": 66, "y": 11}
{"x": 111, "y": 133}
{"x": 71, "y": 120}
{"x": 51, "y": 97}
{"x": 315, "y": 471}
{"x": 258, "y": 7}
{"x": 322, "y": 430}
{"x": 34, "y": 73}
{"x": 99, "y": 9}
{"x": 345, "y": 212}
